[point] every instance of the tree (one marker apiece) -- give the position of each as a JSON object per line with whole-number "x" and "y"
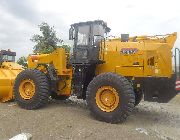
{"x": 66, "y": 47}
{"x": 22, "y": 61}
{"x": 46, "y": 42}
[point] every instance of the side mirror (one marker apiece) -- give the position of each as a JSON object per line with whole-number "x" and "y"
{"x": 71, "y": 33}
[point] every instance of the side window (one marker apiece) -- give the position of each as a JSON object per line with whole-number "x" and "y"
{"x": 13, "y": 58}
{"x": 5, "y": 57}
{"x": 1, "y": 59}
{"x": 8, "y": 58}
{"x": 83, "y": 35}
{"x": 98, "y": 32}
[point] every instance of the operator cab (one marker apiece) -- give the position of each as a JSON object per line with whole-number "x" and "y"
{"x": 87, "y": 37}
{"x": 7, "y": 56}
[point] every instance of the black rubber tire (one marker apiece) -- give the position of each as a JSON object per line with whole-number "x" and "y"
{"x": 125, "y": 92}
{"x": 58, "y": 97}
{"x": 42, "y": 94}
{"x": 138, "y": 98}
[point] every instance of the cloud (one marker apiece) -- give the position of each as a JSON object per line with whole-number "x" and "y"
{"x": 19, "y": 18}
{"x": 13, "y": 34}
{"x": 24, "y": 9}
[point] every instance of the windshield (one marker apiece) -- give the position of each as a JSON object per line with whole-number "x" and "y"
{"x": 83, "y": 35}
{"x": 8, "y": 58}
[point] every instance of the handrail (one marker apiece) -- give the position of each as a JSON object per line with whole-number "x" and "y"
{"x": 175, "y": 62}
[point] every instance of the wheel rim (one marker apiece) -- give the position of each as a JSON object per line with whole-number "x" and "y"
{"x": 27, "y": 89}
{"x": 107, "y": 98}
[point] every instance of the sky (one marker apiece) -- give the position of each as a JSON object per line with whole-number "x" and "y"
{"x": 19, "y": 19}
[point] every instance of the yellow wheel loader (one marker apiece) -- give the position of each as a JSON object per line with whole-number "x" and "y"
{"x": 112, "y": 75}
{"x": 8, "y": 72}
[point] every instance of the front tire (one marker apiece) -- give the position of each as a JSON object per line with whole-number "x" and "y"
{"x": 31, "y": 89}
{"x": 110, "y": 98}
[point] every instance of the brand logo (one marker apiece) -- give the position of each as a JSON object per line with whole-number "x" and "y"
{"x": 129, "y": 50}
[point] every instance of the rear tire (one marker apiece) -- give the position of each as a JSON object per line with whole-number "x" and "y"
{"x": 41, "y": 94}
{"x": 124, "y": 90}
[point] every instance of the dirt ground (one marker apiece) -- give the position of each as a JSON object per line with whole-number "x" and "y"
{"x": 71, "y": 120}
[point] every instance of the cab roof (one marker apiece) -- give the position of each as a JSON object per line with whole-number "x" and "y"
{"x": 100, "y": 22}
{"x": 9, "y": 53}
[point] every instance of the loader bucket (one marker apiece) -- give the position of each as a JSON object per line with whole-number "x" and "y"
{"x": 8, "y": 73}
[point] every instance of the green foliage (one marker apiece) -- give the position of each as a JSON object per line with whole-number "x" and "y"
{"x": 66, "y": 47}
{"x": 46, "y": 42}
{"x": 22, "y": 61}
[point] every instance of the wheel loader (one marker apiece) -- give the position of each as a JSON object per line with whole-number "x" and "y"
{"x": 111, "y": 74}
{"x": 8, "y": 72}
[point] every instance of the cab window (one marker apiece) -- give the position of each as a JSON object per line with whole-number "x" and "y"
{"x": 83, "y": 35}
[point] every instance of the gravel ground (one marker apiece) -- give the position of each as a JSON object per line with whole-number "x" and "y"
{"x": 71, "y": 120}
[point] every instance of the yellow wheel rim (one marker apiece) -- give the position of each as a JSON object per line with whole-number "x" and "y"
{"x": 27, "y": 89}
{"x": 107, "y": 98}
